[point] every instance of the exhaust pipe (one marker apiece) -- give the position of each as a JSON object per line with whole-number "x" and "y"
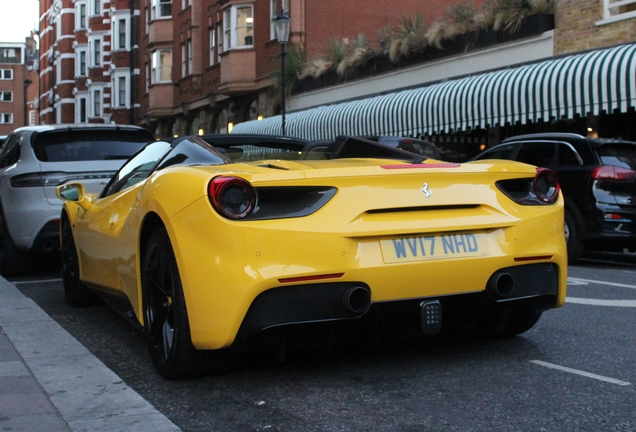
{"x": 501, "y": 285}
{"x": 48, "y": 245}
{"x": 357, "y": 299}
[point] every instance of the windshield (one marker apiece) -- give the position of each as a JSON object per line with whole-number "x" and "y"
{"x": 620, "y": 155}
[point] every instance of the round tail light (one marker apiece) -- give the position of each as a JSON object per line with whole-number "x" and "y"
{"x": 546, "y": 185}
{"x": 232, "y": 197}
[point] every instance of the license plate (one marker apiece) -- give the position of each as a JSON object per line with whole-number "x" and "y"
{"x": 434, "y": 247}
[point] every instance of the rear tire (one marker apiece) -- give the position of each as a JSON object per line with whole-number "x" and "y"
{"x": 13, "y": 262}
{"x": 165, "y": 314}
{"x": 76, "y": 293}
{"x": 573, "y": 238}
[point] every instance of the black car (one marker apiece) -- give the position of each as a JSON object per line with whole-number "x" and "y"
{"x": 598, "y": 180}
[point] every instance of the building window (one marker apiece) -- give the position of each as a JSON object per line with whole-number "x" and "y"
{"x": 97, "y": 103}
{"x": 6, "y": 118}
{"x": 185, "y": 3}
{"x": 9, "y": 55}
{"x": 81, "y": 114}
{"x": 6, "y": 74}
{"x": 212, "y": 45}
{"x": 122, "y": 33}
{"x": 81, "y": 16}
{"x": 219, "y": 34}
{"x": 97, "y": 7}
{"x": 122, "y": 92}
{"x": 161, "y": 8}
{"x": 238, "y": 22}
{"x": 32, "y": 119}
{"x": 190, "y": 59}
{"x": 161, "y": 66}
{"x": 620, "y": 8}
{"x": 274, "y": 8}
{"x": 81, "y": 62}
{"x": 6, "y": 96}
{"x": 97, "y": 52}
{"x": 184, "y": 71}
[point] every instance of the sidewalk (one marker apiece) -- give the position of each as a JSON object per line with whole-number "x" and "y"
{"x": 50, "y": 382}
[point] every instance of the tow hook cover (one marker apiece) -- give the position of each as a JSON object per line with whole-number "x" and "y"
{"x": 431, "y": 317}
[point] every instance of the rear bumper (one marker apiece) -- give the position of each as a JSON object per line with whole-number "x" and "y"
{"x": 533, "y": 286}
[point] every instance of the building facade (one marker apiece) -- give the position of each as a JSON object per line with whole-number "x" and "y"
{"x": 89, "y": 63}
{"x": 18, "y": 85}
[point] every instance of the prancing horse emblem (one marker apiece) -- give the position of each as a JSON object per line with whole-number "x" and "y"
{"x": 426, "y": 191}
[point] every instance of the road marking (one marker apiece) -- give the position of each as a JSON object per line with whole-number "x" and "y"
{"x": 599, "y": 302}
{"x": 35, "y": 281}
{"x": 580, "y": 372}
{"x": 578, "y": 281}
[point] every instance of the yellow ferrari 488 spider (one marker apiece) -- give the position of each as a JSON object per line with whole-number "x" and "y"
{"x": 236, "y": 241}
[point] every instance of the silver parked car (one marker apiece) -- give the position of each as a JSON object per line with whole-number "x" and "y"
{"x": 34, "y": 160}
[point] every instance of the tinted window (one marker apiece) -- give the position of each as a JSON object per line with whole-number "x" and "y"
{"x": 618, "y": 155}
{"x": 85, "y": 145}
{"x": 541, "y": 154}
{"x": 10, "y": 151}
{"x": 504, "y": 151}
{"x": 567, "y": 156}
{"x": 194, "y": 151}
{"x": 138, "y": 168}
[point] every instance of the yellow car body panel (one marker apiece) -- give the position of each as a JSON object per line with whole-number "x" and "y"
{"x": 224, "y": 264}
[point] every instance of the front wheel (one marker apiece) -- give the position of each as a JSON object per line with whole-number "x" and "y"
{"x": 76, "y": 293}
{"x": 165, "y": 315}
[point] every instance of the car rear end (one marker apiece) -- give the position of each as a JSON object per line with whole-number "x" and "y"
{"x": 614, "y": 188}
{"x": 396, "y": 250}
{"x": 52, "y": 157}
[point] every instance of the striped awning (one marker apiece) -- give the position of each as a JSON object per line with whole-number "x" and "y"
{"x": 591, "y": 82}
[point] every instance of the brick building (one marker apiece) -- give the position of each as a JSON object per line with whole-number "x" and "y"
{"x": 207, "y": 63}
{"x": 18, "y": 85}
{"x": 89, "y": 71}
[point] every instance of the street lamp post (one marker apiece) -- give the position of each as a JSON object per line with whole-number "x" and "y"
{"x": 282, "y": 24}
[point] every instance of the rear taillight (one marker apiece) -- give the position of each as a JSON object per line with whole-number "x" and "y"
{"x": 232, "y": 197}
{"x": 546, "y": 185}
{"x": 542, "y": 189}
{"x": 613, "y": 173}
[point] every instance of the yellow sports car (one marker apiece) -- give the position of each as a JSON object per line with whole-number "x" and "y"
{"x": 222, "y": 242}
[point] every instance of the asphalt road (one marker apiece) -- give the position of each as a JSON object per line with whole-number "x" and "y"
{"x": 574, "y": 371}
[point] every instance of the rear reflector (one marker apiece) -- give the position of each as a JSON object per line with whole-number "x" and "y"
{"x": 310, "y": 278}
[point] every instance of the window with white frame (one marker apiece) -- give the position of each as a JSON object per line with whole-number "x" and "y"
{"x": 97, "y": 7}
{"x": 97, "y": 103}
{"x": 120, "y": 85}
{"x": 6, "y": 118}
{"x": 185, "y": 3}
{"x": 32, "y": 117}
{"x": 81, "y": 108}
{"x": 618, "y": 9}
{"x": 275, "y": 10}
{"x": 190, "y": 57}
{"x": 6, "y": 96}
{"x": 184, "y": 70}
{"x": 120, "y": 35}
{"x": 80, "y": 61}
{"x": 97, "y": 52}
{"x": 80, "y": 15}
{"x": 6, "y": 74}
{"x": 212, "y": 45}
{"x": 161, "y": 65}
{"x": 219, "y": 38}
{"x": 161, "y": 9}
{"x": 238, "y": 22}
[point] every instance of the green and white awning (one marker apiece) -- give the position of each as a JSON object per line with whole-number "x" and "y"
{"x": 592, "y": 82}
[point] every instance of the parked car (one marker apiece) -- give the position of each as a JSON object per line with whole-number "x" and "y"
{"x": 35, "y": 160}
{"x": 420, "y": 147}
{"x": 236, "y": 242}
{"x": 598, "y": 179}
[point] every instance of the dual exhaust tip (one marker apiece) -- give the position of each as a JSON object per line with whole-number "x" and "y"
{"x": 501, "y": 285}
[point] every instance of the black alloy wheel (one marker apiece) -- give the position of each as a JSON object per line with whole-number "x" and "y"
{"x": 76, "y": 293}
{"x": 165, "y": 315}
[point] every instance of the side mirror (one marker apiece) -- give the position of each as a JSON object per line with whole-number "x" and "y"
{"x": 73, "y": 192}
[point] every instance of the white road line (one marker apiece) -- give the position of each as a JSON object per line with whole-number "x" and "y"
{"x": 599, "y": 302}
{"x": 578, "y": 281}
{"x": 579, "y": 372}
{"x": 35, "y": 281}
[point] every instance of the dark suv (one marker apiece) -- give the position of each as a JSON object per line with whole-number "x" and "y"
{"x": 598, "y": 179}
